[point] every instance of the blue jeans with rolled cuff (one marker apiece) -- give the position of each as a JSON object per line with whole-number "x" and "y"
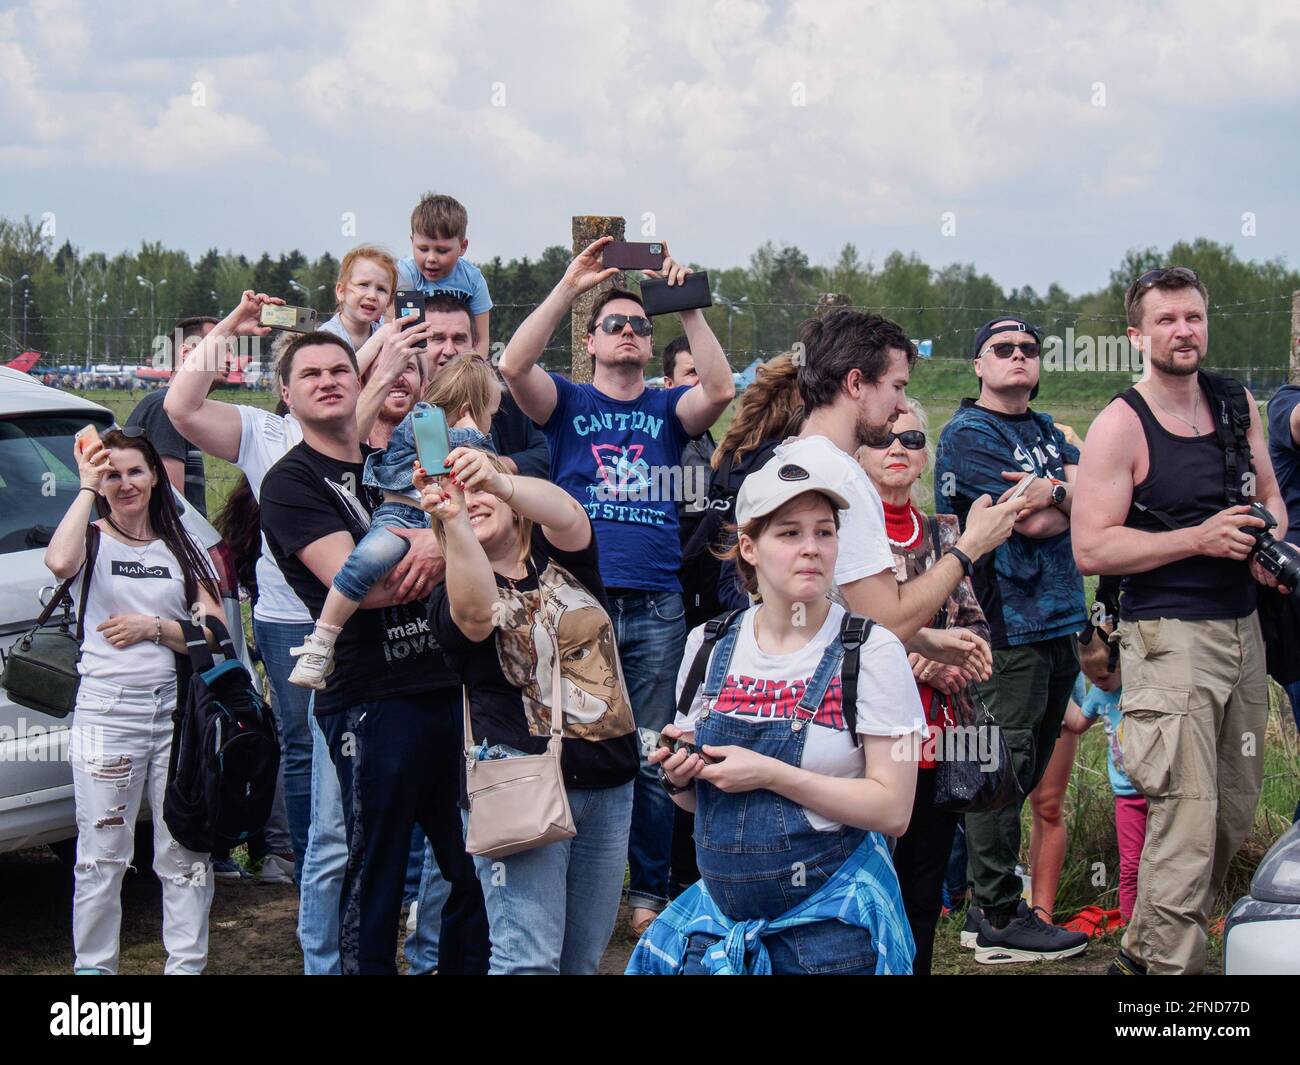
{"x": 379, "y": 550}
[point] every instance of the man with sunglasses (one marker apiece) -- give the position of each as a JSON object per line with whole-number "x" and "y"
{"x": 616, "y": 447}
{"x": 1171, "y": 465}
{"x": 1032, "y": 596}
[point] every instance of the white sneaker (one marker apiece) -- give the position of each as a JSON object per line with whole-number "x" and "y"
{"x": 412, "y": 920}
{"x": 315, "y": 663}
{"x": 275, "y": 870}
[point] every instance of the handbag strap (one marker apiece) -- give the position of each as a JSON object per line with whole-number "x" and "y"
{"x": 63, "y": 591}
{"x": 557, "y": 708}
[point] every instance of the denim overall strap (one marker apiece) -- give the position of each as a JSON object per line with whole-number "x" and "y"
{"x": 827, "y": 670}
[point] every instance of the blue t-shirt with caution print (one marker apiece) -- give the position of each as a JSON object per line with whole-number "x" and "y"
{"x": 616, "y": 457}
{"x": 1029, "y": 588}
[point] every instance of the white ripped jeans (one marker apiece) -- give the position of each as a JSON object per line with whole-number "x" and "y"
{"x": 119, "y": 748}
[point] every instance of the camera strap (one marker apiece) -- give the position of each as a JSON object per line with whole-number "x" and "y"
{"x": 1231, "y": 410}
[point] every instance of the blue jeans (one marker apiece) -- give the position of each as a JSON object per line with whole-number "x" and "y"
{"x": 421, "y": 948}
{"x": 553, "y": 909}
{"x": 650, "y": 630}
{"x": 324, "y": 863}
{"x": 291, "y": 706}
{"x": 379, "y": 550}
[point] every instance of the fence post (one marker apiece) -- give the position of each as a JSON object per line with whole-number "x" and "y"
{"x": 586, "y": 228}
{"x": 1293, "y": 374}
{"x": 831, "y": 301}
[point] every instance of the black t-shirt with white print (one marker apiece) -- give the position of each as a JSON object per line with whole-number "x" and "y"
{"x": 380, "y": 654}
{"x": 508, "y": 673}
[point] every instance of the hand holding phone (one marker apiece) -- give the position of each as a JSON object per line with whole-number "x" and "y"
{"x": 432, "y": 441}
{"x": 84, "y": 438}
{"x": 409, "y": 304}
{"x": 282, "y": 316}
{"x": 1023, "y": 487}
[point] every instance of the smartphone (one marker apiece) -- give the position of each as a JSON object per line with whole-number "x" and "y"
{"x": 628, "y": 255}
{"x": 84, "y": 438}
{"x": 678, "y": 744}
{"x": 408, "y": 303}
{"x": 1022, "y": 487}
{"x": 432, "y": 443}
{"x": 295, "y": 319}
{"x": 659, "y": 297}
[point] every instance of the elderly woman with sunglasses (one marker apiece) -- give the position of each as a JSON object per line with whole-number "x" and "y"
{"x": 918, "y": 541}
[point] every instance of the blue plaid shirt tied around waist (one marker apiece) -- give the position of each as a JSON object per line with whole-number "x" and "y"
{"x": 863, "y": 893}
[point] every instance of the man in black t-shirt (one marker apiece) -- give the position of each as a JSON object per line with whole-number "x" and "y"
{"x": 391, "y": 710}
{"x": 183, "y": 460}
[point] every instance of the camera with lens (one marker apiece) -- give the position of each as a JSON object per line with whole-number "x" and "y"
{"x": 1279, "y": 558}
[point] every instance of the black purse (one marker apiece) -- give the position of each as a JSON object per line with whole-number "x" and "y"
{"x": 973, "y": 770}
{"x": 41, "y": 667}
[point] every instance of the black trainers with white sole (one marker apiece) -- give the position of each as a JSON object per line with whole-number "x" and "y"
{"x": 1026, "y": 938}
{"x": 971, "y": 929}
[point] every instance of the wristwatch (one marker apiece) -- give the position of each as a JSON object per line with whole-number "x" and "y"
{"x": 669, "y": 786}
{"x": 1058, "y": 491}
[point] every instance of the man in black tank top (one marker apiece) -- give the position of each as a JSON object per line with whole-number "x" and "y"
{"x": 1154, "y": 506}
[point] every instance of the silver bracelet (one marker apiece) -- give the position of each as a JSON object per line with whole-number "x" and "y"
{"x": 157, "y": 636}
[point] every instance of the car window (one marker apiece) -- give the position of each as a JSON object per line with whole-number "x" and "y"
{"x": 38, "y": 478}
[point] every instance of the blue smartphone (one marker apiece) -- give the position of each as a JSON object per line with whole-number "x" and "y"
{"x": 432, "y": 442}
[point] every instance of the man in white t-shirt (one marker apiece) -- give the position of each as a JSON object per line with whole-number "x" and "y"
{"x": 853, "y": 372}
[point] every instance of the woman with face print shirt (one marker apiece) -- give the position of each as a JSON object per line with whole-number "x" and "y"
{"x": 527, "y": 567}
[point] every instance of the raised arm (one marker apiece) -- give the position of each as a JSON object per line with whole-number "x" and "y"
{"x": 564, "y": 523}
{"x": 67, "y": 548}
{"x": 208, "y": 424}
{"x": 699, "y": 408}
{"x": 532, "y": 386}
{"x": 396, "y": 348}
{"x": 471, "y": 585}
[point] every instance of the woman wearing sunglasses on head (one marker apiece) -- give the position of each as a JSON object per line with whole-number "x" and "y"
{"x": 918, "y": 541}
{"x": 148, "y": 573}
{"x": 799, "y": 722}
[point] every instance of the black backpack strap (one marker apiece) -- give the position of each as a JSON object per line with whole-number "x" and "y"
{"x": 196, "y": 642}
{"x": 1231, "y": 410}
{"x": 713, "y": 631}
{"x": 92, "y": 553}
{"x": 854, "y": 631}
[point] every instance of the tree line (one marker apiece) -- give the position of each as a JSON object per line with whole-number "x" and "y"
{"x": 86, "y": 307}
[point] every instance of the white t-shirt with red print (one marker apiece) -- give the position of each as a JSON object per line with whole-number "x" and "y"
{"x": 761, "y": 686}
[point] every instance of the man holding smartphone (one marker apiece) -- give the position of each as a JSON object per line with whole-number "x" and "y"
{"x": 613, "y": 446}
{"x": 1032, "y": 596}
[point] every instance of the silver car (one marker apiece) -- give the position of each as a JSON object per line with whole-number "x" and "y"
{"x": 38, "y": 475}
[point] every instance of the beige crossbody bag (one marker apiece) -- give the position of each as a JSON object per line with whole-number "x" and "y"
{"x": 516, "y": 804}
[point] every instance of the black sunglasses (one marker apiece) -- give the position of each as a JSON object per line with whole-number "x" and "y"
{"x": 614, "y": 323}
{"x": 1005, "y": 349}
{"x": 1177, "y": 273}
{"x": 912, "y": 439}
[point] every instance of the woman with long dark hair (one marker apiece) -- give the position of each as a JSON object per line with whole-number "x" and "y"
{"x": 147, "y": 575}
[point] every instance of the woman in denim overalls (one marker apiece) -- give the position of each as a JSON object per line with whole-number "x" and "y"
{"x": 819, "y": 900}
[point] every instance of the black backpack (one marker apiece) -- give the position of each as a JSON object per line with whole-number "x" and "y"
{"x": 701, "y": 569}
{"x": 225, "y": 750}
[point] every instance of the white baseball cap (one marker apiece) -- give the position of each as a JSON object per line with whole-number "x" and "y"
{"x": 776, "y": 484}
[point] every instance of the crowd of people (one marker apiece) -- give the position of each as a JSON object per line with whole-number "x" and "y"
{"x": 733, "y": 708}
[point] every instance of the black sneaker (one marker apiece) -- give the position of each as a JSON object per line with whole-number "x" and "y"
{"x": 1123, "y": 965}
{"x": 971, "y": 929}
{"x": 1026, "y": 938}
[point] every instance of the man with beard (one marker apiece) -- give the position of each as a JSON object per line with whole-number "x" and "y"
{"x": 1163, "y": 489}
{"x": 1032, "y": 596}
{"x": 853, "y": 372}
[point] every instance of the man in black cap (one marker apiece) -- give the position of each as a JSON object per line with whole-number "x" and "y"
{"x": 1032, "y": 595}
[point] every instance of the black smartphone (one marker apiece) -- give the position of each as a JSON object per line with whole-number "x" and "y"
{"x": 629, "y": 255}
{"x": 410, "y": 303}
{"x": 677, "y": 744}
{"x": 659, "y": 297}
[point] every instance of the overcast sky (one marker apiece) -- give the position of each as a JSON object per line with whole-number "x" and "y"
{"x": 1058, "y": 136}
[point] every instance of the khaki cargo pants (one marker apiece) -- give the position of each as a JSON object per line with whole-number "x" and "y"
{"x": 1195, "y": 707}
